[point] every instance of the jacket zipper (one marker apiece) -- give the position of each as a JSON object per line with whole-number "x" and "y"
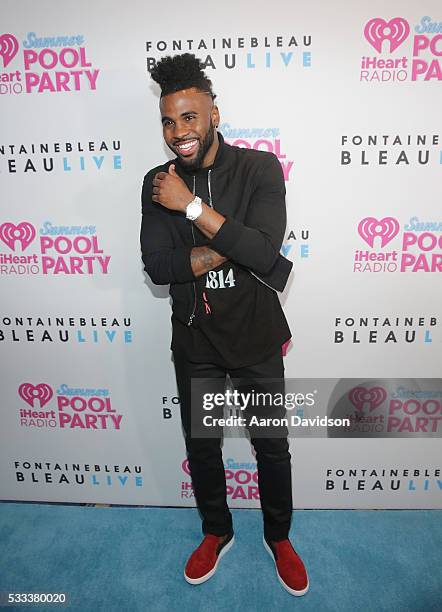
{"x": 261, "y": 281}
{"x": 192, "y": 316}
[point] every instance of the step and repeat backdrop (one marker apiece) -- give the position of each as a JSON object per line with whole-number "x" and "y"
{"x": 348, "y": 97}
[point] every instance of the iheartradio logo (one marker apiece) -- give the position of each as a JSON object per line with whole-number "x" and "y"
{"x": 23, "y": 233}
{"x": 385, "y": 229}
{"x": 60, "y": 250}
{"x": 8, "y": 48}
{"x": 371, "y": 398}
{"x": 185, "y": 466}
{"x": 87, "y": 410}
{"x": 395, "y": 32}
{"x": 30, "y": 393}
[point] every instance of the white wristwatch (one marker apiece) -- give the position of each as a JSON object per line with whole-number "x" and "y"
{"x": 194, "y": 209}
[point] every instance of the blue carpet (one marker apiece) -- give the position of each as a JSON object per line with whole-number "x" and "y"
{"x": 132, "y": 559}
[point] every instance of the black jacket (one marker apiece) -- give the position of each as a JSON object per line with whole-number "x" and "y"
{"x": 247, "y": 187}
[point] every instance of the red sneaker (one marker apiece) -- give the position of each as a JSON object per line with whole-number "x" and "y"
{"x": 289, "y": 566}
{"x": 204, "y": 560}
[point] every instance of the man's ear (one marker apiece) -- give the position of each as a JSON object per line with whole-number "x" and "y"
{"x": 215, "y": 116}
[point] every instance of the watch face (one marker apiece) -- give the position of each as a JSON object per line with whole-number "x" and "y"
{"x": 193, "y": 210}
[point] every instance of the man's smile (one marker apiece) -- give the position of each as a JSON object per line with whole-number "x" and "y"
{"x": 187, "y": 147}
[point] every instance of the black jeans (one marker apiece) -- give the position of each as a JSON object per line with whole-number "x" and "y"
{"x": 205, "y": 456}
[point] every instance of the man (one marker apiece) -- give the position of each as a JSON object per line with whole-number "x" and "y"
{"x": 213, "y": 223}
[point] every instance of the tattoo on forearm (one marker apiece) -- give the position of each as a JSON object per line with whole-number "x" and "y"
{"x": 203, "y": 259}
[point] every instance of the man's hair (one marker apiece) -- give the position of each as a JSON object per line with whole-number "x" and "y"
{"x": 181, "y": 72}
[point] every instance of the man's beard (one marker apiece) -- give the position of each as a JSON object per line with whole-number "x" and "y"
{"x": 195, "y": 164}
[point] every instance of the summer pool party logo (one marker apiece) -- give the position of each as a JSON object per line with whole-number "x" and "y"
{"x": 74, "y": 408}
{"x": 403, "y": 53}
{"x": 60, "y": 250}
{"x": 54, "y": 64}
{"x": 241, "y": 480}
{"x": 419, "y": 248}
{"x": 267, "y": 139}
{"x": 390, "y": 408}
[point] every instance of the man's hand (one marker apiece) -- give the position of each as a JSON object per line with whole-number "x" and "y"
{"x": 171, "y": 191}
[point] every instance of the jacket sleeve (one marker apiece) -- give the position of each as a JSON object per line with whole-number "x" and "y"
{"x": 255, "y": 243}
{"x": 163, "y": 262}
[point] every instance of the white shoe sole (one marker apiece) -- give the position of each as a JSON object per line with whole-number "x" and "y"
{"x": 226, "y": 548}
{"x": 287, "y": 588}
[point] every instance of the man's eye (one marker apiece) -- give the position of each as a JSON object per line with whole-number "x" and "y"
{"x": 190, "y": 117}
{"x": 166, "y": 123}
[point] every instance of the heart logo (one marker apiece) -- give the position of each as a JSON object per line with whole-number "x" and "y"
{"x": 185, "y": 466}
{"x": 395, "y": 31}
{"x": 386, "y": 229}
{"x": 361, "y": 396}
{"x": 8, "y": 48}
{"x": 24, "y": 232}
{"x": 29, "y": 393}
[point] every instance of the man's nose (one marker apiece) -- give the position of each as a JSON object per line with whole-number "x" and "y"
{"x": 181, "y": 130}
